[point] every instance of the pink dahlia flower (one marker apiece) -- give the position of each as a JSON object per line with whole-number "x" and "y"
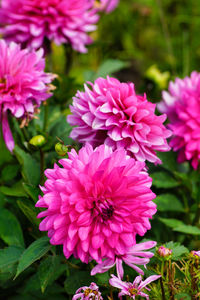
{"x": 181, "y": 104}
{"x": 88, "y": 293}
{"x": 111, "y": 112}
{"x": 134, "y": 256}
{"x": 97, "y": 203}
{"x": 23, "y": 85}
{"x": 133, "y": 289}
{"x": 106, "y": 5}
{"x": 30, "y": 22}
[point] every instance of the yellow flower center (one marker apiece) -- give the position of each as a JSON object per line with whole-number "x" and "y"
{"x": 2, "y": 80}
{"x": 133, "y": 291}
{"x": 87, "y": 292}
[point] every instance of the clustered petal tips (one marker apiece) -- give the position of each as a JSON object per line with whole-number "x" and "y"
{"x": 30, "y": 22}
{"x": 88, "y": 293}
{"x": 23, "y": 85}
{"x": 181, "y": 104}
{"x": 111, "y": 112}
{"x": 133, "y": 289}
{"x": 97, "y": 203}
{"x": 134, "y": 256}
{"x": 106, "y": 5}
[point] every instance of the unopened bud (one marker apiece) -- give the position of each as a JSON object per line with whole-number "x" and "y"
{"x": 61, "y": 149}
{"x": 37, "y": 141}
{"x": 164, "y": 252}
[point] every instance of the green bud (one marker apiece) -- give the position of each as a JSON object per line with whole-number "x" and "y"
{"x": 160, "y": 78}
{"x": 61, "y": 149}
{"x": 37, "y": 141}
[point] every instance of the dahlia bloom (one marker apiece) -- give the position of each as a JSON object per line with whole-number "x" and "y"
{"x": 111, "y": 112}
{"x": 97, "y": 203}
{"x": 106, "y": 5}
{"x": 92, "y": 292}
{"x": 133, "y": 289}
{"x": 181, "y": 104}
{"x": 23, "y": 85}
{"x": 134, "y": 256}
{"x": 30, "y": 22}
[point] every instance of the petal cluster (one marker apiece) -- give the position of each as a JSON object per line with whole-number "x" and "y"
{"x": 134, "y": 256}
{"x": 111, "y": 112}
{"x": 133, "y": 289}
{"x": 88, "y": 293}
{"x": 23, "y": 85}
{"x": 106, "y": 5}
{"x": 181, "y": 104}
{"x": 96, "y": 203}
{"x": 30, "y": 22}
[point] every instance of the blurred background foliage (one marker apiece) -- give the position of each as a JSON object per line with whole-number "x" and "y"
{"x": 148, "y": 42}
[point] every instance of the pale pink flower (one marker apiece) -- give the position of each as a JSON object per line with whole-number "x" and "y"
{"x": 164, "y": 252}
{"x": 137, "y": 288}
{"x": 23, "y": 85}
{"x": 30, "y": 22}
{"x": 97, "y": 203}
{"x": 195, "y": 253}
{"x": 106, "y": 5}
{"x": 111, "y": 112}
{"x": 182, "y": 105}
{"x": 88, "y": 293}
{"x": 134, "y": 256}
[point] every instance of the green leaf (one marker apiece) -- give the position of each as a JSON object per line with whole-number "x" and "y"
{"x": 49, "y": 270}
{"x": 5, "y": 156}
{"x": 9, "y": 256}
{"x": 168, "y": 160}
{"x": 34, "y": 252}
{"x": 182, "y": 296}
{"x": 188, "y": 229}
{"x": 32, "y": 191}
{"x": 168, "y": 202}
{"x": 163, "y": 180}
{"x": 9, "y": 172}
{"x": 103, "y": 278}
{"x": 76, "y": 280}
{"x": 173, "y": 223}
{"x": 178, "y": 250}
{"x": 30, "y": 167}
{"x": 10, "y": 229}
{"x": 29, "y": 210}
{"x": 109, "y": 67}
{"x": 15, "y": 190}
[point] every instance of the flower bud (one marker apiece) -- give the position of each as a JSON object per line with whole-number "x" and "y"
{"x": 164, "y": 252}
{"x": 37, "y": 141}
{"x": 161, "y": 79}
{"x": 61, "y": 149}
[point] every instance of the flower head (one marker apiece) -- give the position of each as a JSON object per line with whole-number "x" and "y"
{"x": 133, "y": 289}
{"x": 195, "y": 254}
{"x": 106, "y": 5}
{"x": 30, "y": 22}
{"x": 88, "y": 293}
{"x": 23, "y": 85}
{"x": 134, "y": 256}
{"x": 97, "y": 203}
{"x": 111, "y": 112}
{"x": 164, "y": 252}
{"x": 181, "y": 104}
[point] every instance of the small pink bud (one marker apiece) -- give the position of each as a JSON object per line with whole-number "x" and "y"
{"x": 164, "y": 252}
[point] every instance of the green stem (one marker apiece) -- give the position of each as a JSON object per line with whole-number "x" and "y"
{"x": 162, "y": 289}
{"x": 46, "y": 113}
{"x": 42, "y": 178}
{"x": 69, "y": 58}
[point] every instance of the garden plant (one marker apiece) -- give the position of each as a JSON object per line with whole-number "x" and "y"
{"x": 99, "y": 149}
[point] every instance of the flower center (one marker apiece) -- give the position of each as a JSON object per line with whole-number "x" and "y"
{"x": 133, "y": 291}
{"x": 104, "y": 209}
{"x": 87, "y": 292}
{"x": 2, "y": 80}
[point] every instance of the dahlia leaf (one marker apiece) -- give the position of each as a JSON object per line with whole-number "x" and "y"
{"x": 9, "y": 172}
{"x": 30, "y": 167}
{"x": 168, "y": 160}
{"x": 34, "y": 252}
{"x": 9, "y": 256}
{"x": 188, "y": 229}
{"x": 15, "y": 190}
{"x": 29, "y": 210}
{"x": 10, "y": 229}
{"x": 32, "y": 191}
{"x": 49, "y": 270}
{"x": 163, "y": 180}
{"x": 109, "y": 67}
{"x": 168, "y": 202}
{"x": 76, "y": 280}
{"x": 178, "y": 250}
{"x": 173, "y": 223}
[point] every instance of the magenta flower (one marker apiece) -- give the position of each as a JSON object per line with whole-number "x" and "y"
{"x": 23, "y": 85}
{"x": 92, "y": 292}
{"x": 112, "y": 113}
{"x": 134, "y": 256}
{"x": 97, "y": 203}
{"x": 195, "y": 253}
{"x": 181, "y": 104}
{"x": 106, "y": 5}
{"x": 133, "y": 289}
{"x": 30, "y": 22}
